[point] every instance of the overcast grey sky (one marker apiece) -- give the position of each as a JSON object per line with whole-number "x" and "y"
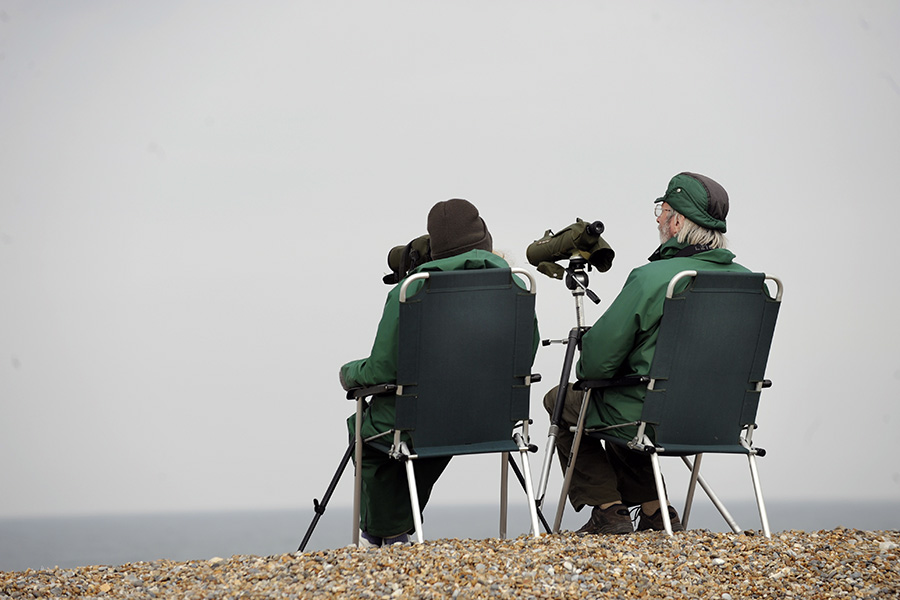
{"x": 197, "y": 199}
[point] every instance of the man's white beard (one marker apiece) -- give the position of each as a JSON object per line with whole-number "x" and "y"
{"x": 664, "y": 231}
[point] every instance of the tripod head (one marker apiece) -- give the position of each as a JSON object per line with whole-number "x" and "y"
{"x": 577, "y": 278}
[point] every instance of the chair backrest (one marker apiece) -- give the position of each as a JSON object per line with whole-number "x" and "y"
{"x": 465, "y": 355}
{"x": 710, "y": 360}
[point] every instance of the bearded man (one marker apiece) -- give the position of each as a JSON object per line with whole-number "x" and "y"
{"x": 691, "y": 222}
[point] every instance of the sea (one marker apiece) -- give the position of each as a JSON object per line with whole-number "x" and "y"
{"x": 66, "y": 542}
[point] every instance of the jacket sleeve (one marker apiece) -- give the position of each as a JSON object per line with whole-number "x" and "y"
{"x": 381, "y": 364}
{"x": 610, "y": 347}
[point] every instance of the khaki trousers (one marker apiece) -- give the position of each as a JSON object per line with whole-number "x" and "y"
{"x": 601, "y": 475}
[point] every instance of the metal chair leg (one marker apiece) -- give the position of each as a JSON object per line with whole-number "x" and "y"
{"x": 504, "y": 492}
{"x": 715, "y": 499}
{"x": 413, "y": 494}
{"x": 757, "y": 488}
{"x": 692, "y": 486}
{"x": 661, "y": 493}
{"x": 529, "y": 485}
{"x": 357, "y": 477}
{"x": 518, "y": 473}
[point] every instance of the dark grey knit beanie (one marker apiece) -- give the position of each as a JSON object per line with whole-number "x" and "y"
{"x": 455, "y": 227}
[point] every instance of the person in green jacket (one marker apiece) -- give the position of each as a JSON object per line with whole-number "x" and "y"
{"x": 459, "y": 240}
{"x": 691, "y": 222}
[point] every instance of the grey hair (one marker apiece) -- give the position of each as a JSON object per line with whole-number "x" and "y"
{"x": 693, "y": 234}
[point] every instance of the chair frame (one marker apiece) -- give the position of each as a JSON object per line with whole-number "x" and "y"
{"x": 399, "y": 450}
{"x": 643, "y": 443}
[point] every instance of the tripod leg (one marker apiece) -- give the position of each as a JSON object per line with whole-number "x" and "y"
{"x": 556, "y": 417}
{"x": 570, "y": 465}
{"x": 319, "y": 507}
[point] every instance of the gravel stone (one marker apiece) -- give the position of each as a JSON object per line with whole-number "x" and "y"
{"x": 840, "y": 563}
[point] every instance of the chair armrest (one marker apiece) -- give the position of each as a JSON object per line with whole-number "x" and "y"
{"x": 590, "y": 384}
{"x": 372, "y": 390}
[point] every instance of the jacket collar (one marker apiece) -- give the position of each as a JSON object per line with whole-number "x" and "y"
{"x": 675, "y": 249}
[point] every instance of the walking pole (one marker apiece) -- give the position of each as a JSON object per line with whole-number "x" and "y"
{"x": 319, "y": 507}
{"x": 577, "y": 281}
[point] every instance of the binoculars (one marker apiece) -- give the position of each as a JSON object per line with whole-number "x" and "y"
{"x": 579, "y": 240}
{"x": 403, "y": 259}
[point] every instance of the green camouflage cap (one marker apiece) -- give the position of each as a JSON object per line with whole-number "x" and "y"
{"x": 698, "y": 198}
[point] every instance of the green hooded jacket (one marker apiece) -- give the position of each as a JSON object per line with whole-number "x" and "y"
{"x": 381, "y": 364}
{"x": 623, "y": 340}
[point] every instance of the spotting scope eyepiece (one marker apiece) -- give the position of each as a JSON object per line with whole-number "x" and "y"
{"x": 596, "y": 228}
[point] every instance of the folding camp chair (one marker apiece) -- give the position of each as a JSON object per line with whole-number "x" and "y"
{"x": 463, "y": 378}
{"x": 704, "y": 384}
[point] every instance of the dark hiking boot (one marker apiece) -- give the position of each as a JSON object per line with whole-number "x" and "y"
{"x": 613, "y": 520}
{"x": 654, "y": 522}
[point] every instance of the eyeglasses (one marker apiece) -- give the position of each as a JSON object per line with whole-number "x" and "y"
{"x": 658, "y": 210}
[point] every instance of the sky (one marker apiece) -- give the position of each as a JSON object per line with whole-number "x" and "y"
{"x": 197, "y": 200}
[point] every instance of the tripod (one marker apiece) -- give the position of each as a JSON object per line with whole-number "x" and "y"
{"x": 577, "y": 281}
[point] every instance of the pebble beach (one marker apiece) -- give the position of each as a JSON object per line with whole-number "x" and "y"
{"x": 839, "y": 563}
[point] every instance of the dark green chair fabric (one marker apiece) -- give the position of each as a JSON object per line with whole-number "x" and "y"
{"x": 707, "y": 376}
{"x": 709, "y": 364}
{"x": 466, "y": 343}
